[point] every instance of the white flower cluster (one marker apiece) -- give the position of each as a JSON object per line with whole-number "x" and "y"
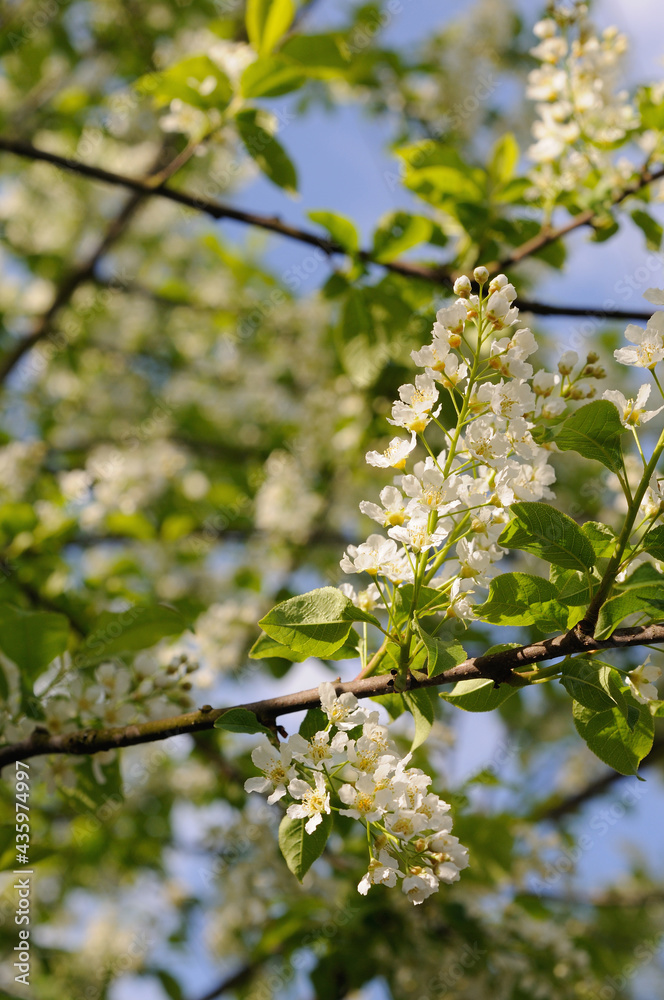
{"x": 407, "y": 826}
{"x": 647, "y": 352}
{"x": 444, "y": 517}
{"x": 580, "y": 113}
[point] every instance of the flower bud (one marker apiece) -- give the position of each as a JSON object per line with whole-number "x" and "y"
{"x": 462, "y": 287}
{"x": 593, "y": 356}
{"x": 567, "y": 362}
{"x": 481, "y": 275}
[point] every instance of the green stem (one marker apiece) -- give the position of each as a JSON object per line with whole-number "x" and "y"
{"x": 587, "y": 626}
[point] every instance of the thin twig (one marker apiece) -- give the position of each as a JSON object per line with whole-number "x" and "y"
{"x": 438, "y": 275}
{"x": 498, "y": 667}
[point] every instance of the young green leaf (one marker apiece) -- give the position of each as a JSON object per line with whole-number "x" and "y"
{"x": 503, "y": 159}
{"x": 601, "y": 537}
{"x": 299, "y": 848}
{"x": 398, "y": 232}
{"x": 588, "y": 682}
{"x": 240, "y": 720}
{"x": 317, "y": 623}
{"x": 266, "y": 647}
{"x": 341, "y": 229}
{"x": 267, "y": 152}
{"x": 443, "y": 651}
{"x": 32, "y": 639}
{"x": 196, "y": 81}
{"x": 653, "y": 542}
{"x": 644, "y": 600}
{"x": 323, "y": 56}
{"x": 271, "y": 76}
{"x": 522, "y": 599}
{"x": 421, "y": 705}
{"x": 267, "y": 22}
{"x": 612, "y": 739}
{"x": 478, "y": 695}
{"x": 546, "y": 532}
{"x": 313, "y": 722}
{"x": 594, "y": 431}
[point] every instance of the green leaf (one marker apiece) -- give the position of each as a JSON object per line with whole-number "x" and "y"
{"x": 240, "y": 720}
{"x": 521, "y": 599}
{"x": 322, "y": 55}
{"x": 271, "y": 76}
{"x": 610, "y": 737}
{"x": 313, "y": 722}
{"x": 546, "y": 532}
{"x": 267, "y": 152}
{"x": 398, "y": 232}
{"x": 341, "y": 229}
{"x": 594, "y": 431}
{"x": 170, "y": 985}
{"x": 478, "y": 695}
{"x": 299, "y": 848}
{"x": 650, "y": 228}
{"x": 317, "y": 623}
{"x": 503, "y": 159}
{"x": 601, "y": 537}
{"x": 267, "y": 22}
{"x": 588, "y": 682}
{"x": 443, "y": 651}
{"x": 429, "y": 602}
{"x": 653, "y": 542}
{"x": 266, "y": 647}
{"x": 140, "y": 627}
{"x": 645, "y": 600}
{"x": 421, "y": 705}
{"x": 572, "y": 587}
{"x": 32, "y": 639}
{"x": 196, "y": 81}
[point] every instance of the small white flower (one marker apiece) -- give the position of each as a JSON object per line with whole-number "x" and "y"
{"x": 633, "y": 412}
{"x": 649, "y": 349}
{"x": 343, "y": 712}
{"x": 654, "y": 295}
{"x": 416, "y": 406}
{"x": 319, "y": 750}
{"x": 361, "y": 800}
{"x": 641, "y": 680}
{"x": 314, "y": 801}
{"x": 395, "y": 454}
{"x": 383, "y": 870}
{"x": 419, "y": 884}
{"x": 377, "y": 555}
{"x": 393, "y": 510}
{"x": 277, "y": 771}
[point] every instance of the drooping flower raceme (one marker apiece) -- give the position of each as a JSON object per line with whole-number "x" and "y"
{"x": 365, "y": 778}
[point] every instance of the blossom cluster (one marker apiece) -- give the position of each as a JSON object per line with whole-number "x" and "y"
{"x": 354, "y": 762}
{"x": 444, "y": 517}
{"x": 581, "y": 114}
{"x": 646, "y": 351}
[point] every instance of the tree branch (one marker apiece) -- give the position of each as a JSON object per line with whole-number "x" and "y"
{"x": 439, "y": 275}
{"x": 498, "y": 667}
{"x": 85, "y": 271}
{"x": 550, "y": 234}
{"x": 564, "y": 807}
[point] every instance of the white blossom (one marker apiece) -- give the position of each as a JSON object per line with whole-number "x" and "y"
{"x": 314, "y": 801}
{"x": 633, "y": 412}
